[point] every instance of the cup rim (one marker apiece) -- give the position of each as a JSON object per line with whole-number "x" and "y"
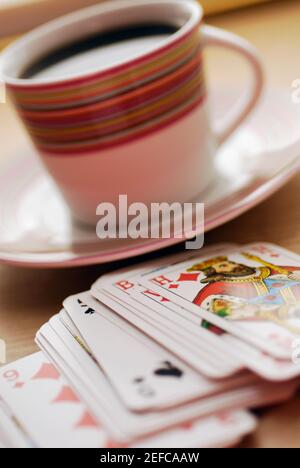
{"x": 196, "y": 15}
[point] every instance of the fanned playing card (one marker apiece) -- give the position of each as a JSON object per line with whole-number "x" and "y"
{"x": 144, "y": 374}
{"x": 161, "y": 355}
{"x": 46, "y": 406}
{"x": 201, "y": 349}
{"x": 252, "y": 292}
{"x": 126, "y": 426}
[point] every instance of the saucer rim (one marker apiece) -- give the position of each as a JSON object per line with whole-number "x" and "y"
{"x": 257, "y": 196}
{"x": 252, "y": 194}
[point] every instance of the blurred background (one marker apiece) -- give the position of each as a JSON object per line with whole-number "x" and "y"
{"x": 271, "y": 25}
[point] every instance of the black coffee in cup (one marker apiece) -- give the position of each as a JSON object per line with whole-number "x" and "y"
{"x": 98, "y": 49}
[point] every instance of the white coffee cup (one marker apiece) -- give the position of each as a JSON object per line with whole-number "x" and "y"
{"x": 134, "y": 123}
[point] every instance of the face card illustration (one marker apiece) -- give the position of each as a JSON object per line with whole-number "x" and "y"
{"x": 253, "y": 292}
{"x": 152, "y": 304}
{"x": 123, "y": 285}
{"x": 252, "y": 357}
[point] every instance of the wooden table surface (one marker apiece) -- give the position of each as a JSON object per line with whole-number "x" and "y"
{"x": 28, "y": 298}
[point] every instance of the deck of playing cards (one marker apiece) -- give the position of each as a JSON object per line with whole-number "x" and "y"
{"x": 168, "y": 353}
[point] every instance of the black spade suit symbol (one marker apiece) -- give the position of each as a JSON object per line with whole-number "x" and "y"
{"x": 88, "y": 311}
{"x": 168, "y": 370}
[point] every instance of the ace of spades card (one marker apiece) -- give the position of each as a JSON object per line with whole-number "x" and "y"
{"x": 145, "y": 375}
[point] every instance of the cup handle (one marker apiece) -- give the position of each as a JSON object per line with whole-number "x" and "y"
{"x": 218, "y": 37}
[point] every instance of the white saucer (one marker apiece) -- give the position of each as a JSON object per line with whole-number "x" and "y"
{"x": 36, "y": 227}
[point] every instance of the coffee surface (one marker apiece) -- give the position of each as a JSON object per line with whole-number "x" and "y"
{"x": 97, "y": 51}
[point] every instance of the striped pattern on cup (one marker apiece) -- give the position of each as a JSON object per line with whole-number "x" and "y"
{"x": 118, "y": 105}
